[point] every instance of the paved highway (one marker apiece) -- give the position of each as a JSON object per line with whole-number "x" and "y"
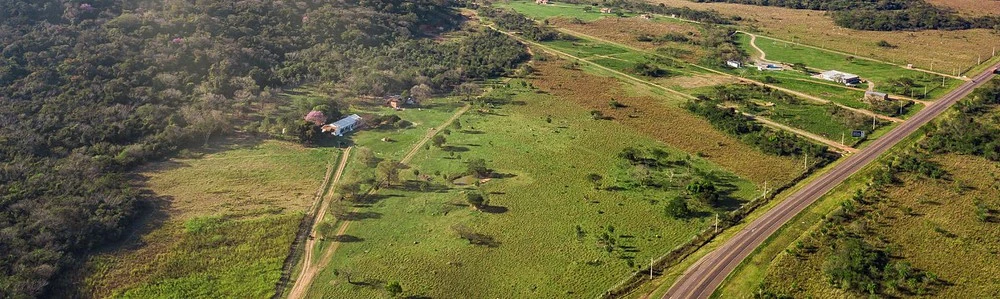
{"x": 702, "y": 278}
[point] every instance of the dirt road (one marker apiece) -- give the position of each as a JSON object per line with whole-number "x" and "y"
{"x": 310, "y": 270}
{"x": 701, "y": 279}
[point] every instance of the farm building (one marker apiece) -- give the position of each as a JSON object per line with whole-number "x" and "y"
{"x": 734, "y": 64}
{"x": 841, "y": 77}
{"x": 874, "y": 95}
{"x": 769, "y": 67}
{"x": 344, "y": 125}
{"x": 541, "y": 1}
{"x": 397, "y": 102}
{"x": 605, "y": 10}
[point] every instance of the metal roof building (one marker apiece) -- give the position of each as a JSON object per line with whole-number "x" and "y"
{"x": 344, "y": 125}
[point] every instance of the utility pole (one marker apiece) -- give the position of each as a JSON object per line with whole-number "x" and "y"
{"x": 650, "y": 268}
{"x": 901, "y": 106}
{"x": 805, "y": 161}
{"x": 873, "y": 123}
{"x": 716, "y": 223}
{"x": 842, "y": 135}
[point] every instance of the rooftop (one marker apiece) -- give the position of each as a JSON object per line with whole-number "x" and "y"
{"x": 832, "y": 73}
{"x": 348, "y": 120}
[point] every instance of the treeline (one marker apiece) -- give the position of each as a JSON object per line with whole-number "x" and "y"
{"x": 770, "y": 141}
{"x": 705, "y": 16}
{"x": 90, "y": 90}
{"x": 883, "y": 15}
{"x": 974, "y": 130}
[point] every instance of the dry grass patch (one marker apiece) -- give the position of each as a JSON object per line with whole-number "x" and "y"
{"x": 664, "y": 121}
{"x": 218, "y": 224}
{"x": 970, "y": 7}
{"x": 626, "y": 30}
{"x": 697, "y": 81}
{"x": 941, "y": 50}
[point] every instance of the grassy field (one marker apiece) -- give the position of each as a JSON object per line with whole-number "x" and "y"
{"x": 933, "y": 225}
{"x": 938, "y": 50}
{"x": 627, "y": 31}
{"x": 220, "y": 224}
{"x": 869, "y": 70}
{"x": 543, "y": 146}
{"x": 541, "y": 12}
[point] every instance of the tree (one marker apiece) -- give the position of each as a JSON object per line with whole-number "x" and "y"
{"x": 394, "y": 288}
{"x": 438, "y": 141}
{"x": 350, "y": 190}
{"x": 421, "y": 92}
{"x": 316, "y": 117}
{"x": 476, "y": 199}
{"x": 308, "y": 132}
{"x": 367, "y": 156}
{"x": 468, "y": 89}
{"x": 388, "y": 172}
{"x": 325, "y": 229}
{"x": 705, "y": 191}
{"x": 477, "y": 167}
{"x": 595, "y": 179}
{"x": 677, "y": 208}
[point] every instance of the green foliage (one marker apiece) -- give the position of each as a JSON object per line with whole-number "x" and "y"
{"x": 677, "y": 207}
{"x": 477, "y": 168}
{"x": 970, "y": 132}
{"x": 770, "y": 141}
{"x": 394, "y": 288}
{"x": 704, "y": 191}
{"x": 438, "y": 140}
{"x": 476, "y": 199}
{"x": 644, "y": 68}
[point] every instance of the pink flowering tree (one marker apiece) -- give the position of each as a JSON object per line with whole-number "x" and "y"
{"x": 316, "y": 117}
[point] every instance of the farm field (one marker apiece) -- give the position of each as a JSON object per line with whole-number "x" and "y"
{"x": 545, "y": 11}
{"x": 933, "y": 226}
{"x": 220, "y": 225}
{"x": 938, "y": 50}
{"x": 878, "y": 72}
{"x": 542, "y": 149}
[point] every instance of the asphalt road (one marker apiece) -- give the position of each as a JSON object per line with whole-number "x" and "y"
{"x": 702, "y": 278}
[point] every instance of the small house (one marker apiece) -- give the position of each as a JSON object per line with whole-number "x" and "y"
{"x": 605, "y": 10}
{"x": 397, "y": 102}
{"x": 344, "y": 125}
{"x": 841, "y": 77}
{"x": 541, "y": 1}
{"x": 646, "y": 16}
{"x": 874, "y": 95}
{"x": 734, "y": 64}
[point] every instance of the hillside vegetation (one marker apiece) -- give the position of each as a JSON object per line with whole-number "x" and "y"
{"x": 91, "y": 90}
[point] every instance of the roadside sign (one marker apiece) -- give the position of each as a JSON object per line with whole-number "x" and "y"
{"x": 858, "y": 134}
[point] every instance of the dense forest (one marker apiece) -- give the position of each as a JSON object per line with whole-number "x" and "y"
{"x": 883, "y": 15}
{"x": 90, "y": 89}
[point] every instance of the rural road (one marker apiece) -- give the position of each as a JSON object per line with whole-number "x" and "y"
{"x": 310, "y": 270}
{"x": 702, "y": 278}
